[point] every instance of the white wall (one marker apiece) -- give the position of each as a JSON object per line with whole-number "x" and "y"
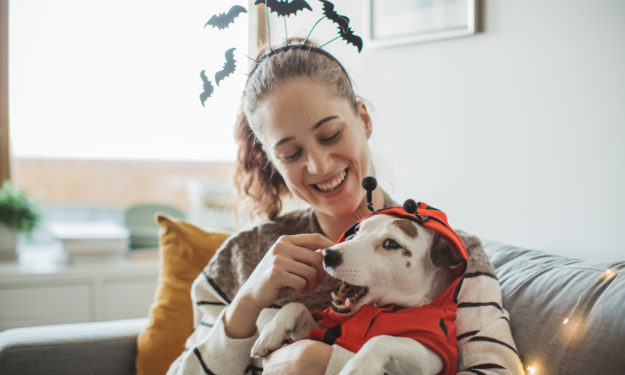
{"x": 516, "y": 132}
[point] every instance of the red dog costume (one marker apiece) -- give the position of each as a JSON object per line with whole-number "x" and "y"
{"x": 432, "y": 325}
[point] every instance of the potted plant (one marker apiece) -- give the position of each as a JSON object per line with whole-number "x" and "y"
{"x": 18, "y": 214}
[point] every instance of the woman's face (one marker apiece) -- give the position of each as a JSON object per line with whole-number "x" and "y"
{"x": 317, "y": 143}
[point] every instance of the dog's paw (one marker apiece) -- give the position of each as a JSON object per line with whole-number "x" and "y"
{"x": 268, "y": 342}
{"x": 292, "y": 320}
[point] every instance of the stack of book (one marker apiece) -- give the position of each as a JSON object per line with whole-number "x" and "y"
{"x": 91, "y": 238}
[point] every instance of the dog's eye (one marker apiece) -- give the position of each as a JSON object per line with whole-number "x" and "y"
{"x": 390, "y": 244}
{"x": 350, "y": 237}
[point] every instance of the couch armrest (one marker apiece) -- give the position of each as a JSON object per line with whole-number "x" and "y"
{"x": 83, "y": 348}
{"x": 566, "y": 314}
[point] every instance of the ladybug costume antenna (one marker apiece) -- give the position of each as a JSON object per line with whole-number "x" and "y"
{"x": 369, "y": 184}
{"x": 410, "y": 206}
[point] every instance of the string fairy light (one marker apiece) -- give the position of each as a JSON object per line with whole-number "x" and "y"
{"x": 571, "y": 324}
{"x": 609, "y": 274}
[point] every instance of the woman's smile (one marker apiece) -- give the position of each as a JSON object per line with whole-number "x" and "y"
{"x": 332, "y": 183}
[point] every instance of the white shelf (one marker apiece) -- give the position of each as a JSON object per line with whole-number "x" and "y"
{"x": 45, "y": 287}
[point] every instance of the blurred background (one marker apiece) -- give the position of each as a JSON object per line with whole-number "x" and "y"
{"x": 515, "y": 130}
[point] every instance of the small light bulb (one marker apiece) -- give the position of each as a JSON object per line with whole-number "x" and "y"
{"x": 609, "y": 274}
{"x": 566, "y": 321}
{"x": 531, "y": 369}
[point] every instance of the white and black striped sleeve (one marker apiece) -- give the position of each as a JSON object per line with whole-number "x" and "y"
{"x": 485, "y": 342}
{"x": 209, "y": 350}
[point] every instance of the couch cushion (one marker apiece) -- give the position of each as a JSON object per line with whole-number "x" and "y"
{"x": 566, "y": 314}
{"x": 81, "y": 348}
{"x": 184, "y": 252}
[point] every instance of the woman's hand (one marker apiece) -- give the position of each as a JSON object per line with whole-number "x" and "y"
{"x": 301, "y": 357}
{"x": 289, "y": 265}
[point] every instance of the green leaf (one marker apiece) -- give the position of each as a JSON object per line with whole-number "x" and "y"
{"x": 17, "y": 211}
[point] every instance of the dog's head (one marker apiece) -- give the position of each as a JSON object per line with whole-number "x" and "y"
{"x": 387, "y": 259}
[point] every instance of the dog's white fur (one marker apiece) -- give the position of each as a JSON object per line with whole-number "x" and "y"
{"x": 405, "y": 276}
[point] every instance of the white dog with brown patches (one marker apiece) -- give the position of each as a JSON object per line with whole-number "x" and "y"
{"x": 384, "y": 260}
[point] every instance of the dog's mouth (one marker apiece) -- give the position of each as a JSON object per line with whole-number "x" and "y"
{"x": 346, "y": 298}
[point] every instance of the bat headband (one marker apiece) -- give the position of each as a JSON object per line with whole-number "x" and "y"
{"x": 305, "y": 47}
{"x": 284, "y": 9}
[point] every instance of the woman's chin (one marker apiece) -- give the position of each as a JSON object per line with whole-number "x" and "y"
{"x": 345, "y": 208}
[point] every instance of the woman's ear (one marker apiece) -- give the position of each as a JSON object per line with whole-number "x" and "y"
{"x": 363, "y": 114}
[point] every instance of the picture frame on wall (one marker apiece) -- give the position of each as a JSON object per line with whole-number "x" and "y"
{"x": 400, "y": 22}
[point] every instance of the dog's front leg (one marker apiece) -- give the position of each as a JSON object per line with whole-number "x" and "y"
{"x": 292, "y": 320}
{"x": 393, "y": 355}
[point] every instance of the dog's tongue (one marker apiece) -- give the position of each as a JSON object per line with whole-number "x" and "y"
{"x": 344, "y": 300}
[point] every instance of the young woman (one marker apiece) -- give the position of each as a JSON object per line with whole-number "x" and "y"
{"x": 303, "y": 131}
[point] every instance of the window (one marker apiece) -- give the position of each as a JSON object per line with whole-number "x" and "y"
{"x": 120, "y": 79}
{"x": 104, "y": 98}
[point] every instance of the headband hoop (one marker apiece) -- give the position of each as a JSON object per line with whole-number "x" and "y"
{"x": 304, "y": 47}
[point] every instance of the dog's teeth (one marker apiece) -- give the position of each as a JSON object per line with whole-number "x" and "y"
{"x": 334, "y": 296}
{"x": 348, "y": 303}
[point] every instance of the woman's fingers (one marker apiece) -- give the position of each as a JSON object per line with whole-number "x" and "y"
{"x": 299, "y": 248}
{"x": 292, "y": 263}
{"x": 320, "y": 274}
{"x": 311, "y": 240}
{"x": 294, "y": 283}
{"x": 306, "y": 275}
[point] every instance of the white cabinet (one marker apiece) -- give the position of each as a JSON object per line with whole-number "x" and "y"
{"x": 44, "y": 288}
{"x": 36, "y": 304}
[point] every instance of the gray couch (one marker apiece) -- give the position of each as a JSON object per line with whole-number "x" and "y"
{"x": 567, "y": 316}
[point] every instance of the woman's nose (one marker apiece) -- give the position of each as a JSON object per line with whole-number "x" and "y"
{"x": 319, "y": 162}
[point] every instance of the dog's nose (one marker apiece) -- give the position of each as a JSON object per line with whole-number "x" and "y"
{"x": 332, "y": 258}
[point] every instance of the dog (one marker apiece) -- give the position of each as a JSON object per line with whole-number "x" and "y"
{"x": 394, "y": 305}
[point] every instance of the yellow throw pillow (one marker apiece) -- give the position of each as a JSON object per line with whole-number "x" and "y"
{"x": 184, "y": 251}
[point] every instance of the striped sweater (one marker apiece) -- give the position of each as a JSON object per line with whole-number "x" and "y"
{"x": 485, "y": 342}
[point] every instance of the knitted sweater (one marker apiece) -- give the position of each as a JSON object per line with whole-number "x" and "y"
{"x": 484, "y": 338}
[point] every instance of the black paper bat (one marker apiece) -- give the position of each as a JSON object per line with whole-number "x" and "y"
{"x": 349, "y": 36}
{"x": 208, "y": 88}
{"x": 328, "y": 11}
{"x": 285, "y": 8}
{"x": 229, "y": 66}
{"x": 223, "y": 20}
{"x": 343, "y": 22}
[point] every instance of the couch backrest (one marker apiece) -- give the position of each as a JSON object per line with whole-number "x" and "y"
{"x": 567, "y": 315}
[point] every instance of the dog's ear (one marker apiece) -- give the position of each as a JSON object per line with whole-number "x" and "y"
{"x": 443, "y": 252}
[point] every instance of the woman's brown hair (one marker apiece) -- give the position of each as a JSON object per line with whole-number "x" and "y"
{"x": 255, "y": 177}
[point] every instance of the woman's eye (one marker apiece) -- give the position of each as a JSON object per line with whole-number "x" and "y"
{"x": 390, "y": 244}
{"x": 331, "y": 138}
{"x": 291, "y": 157}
